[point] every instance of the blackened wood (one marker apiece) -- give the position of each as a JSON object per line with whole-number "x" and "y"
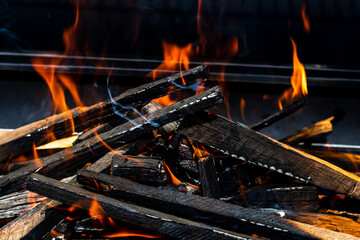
{"x": 278, "y": 115}
{"x": 37, "y": 220}
{"x": 240, "y": 142}
{"x": 167, "y": 224}
{"x": 328, "y": 221}
{"x": 142, "y": 169}
{"x": 22, "y": 139}
{"x": 209, "y": 210}
{"x": 208, "y": 178}
{"x": 347, "y": 161}
{"x": 317, "y": 130}
{"x": 284, "y": 196}
{"x": 94, "y": 147}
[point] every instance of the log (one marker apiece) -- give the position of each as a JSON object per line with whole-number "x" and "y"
{"x": 347, "y": 161}
{"x": 142, "y": 169}
{"x": 94, "y": 147}
{"x": 208, "y": 178}
{"x": 284, "y": 196}
{"x": 328, "y": 221}
{"x": 166, "y": 224}
{"x": 209, "y": 210}
{"x": 240, "y": 142}
{"x": 317, "y": 130}
{"x": 21, "y": 139}
{"x": 278, "y": 115}
{"x": 32, "y": 221}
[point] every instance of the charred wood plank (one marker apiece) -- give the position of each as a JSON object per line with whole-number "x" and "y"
{"x": 94, "y": 147}
{"x": 209, "y": 210}
{"x": 242, "y": 143}
{"x": 208, "y": 178}
{"x": 317, "y": 130}
{"x": 142, "y": 169}
{"x": 167, "y": 224}
{"x": 328, "y": 221}
{"x": 22, "y": 139}
{"x": 32, "y": 222}
{"x": 347, "y": 161}
{"x": 278, "y": 115}
{"x": 287, "y": 197}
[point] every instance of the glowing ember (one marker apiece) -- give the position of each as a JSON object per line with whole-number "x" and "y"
{"x": 298, "y": 81}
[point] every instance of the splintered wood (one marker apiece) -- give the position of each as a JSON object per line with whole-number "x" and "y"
{"x": 177, "y": 171}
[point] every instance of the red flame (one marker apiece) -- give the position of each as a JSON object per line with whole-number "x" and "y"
{"x": 305, "y": 18}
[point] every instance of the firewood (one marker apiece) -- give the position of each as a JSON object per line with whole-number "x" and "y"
{"x": 242, "y": 143}
{"x": 209, "y": 210}
{"x": 169, "y": 225}
{"x": 94, "y": 147}
{"x": 22, "y": 139}
{"x": 142, "y": 169}
{"x": 317, "y": 130}
{"x": 284, "y": 196}
{"x": 328, "y": 221}
{"x": 278, "y": 115}
{"x": 347, "y": 161}
{"x": 32, "y": 221}
{"x": 208, "y": 178}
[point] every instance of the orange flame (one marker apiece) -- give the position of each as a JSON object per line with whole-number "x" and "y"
{"x": 242, "y": 108}
{"x": 175, "y": 57}
{"x": 165, "y": 100}
{"x": 124, "y": 233}
{"x": 199, "y": 150}
{"x": 174, "y": 179}
{"x": 305, "y": 18}
{"x": 36, "y": 157}
{"x": 298, "y": 80}
{"x": 56, "y": 82}
{"x": 95, "y": 210}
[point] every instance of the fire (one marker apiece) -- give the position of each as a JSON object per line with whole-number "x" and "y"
{"x": 36, "y": 157}
{"x": 57, "y": 82}
{"x": 166, "y": 100}
{"x": 242, "y": 108}
{"x": 175, "y": 57}
{"x": 124, "y": 233}
{"x": 174, "y": 179}
{"x": 199, "y": 150}
{"x": 305, "y": 18}
{"x": 298, "y": 81}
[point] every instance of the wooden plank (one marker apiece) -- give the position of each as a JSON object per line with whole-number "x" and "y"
{"x": 42, "y": 214}
{"x": 240, "y": 142}
{"x": 208, "y": 178}
{"x": 142, "y": 169}
{"x": 94, "y": 147}
{"x": 209, "y": 210}
{"x": 21, "y": 139}
{"x": 278, "y": 115}
{"x": 169, "y": 225}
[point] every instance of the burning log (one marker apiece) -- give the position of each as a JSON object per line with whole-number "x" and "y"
{"x": 240, "y": 142}
{"x": 143, "y": 169}
{"x": 22, "y": 139}
{"x": 317, "y": 130}
{"x": 94, "y": 147}
{"x": 328, "y": 221}
{"x": 288, "y": 197}
{"x": 208, "y": 178}
{"x": 210, "y": 210}
{"x": 347, "y": 161}
{"x": 278, "y": 115}
{"x": 167, "y": 224}
{"x": 42, "y": 213}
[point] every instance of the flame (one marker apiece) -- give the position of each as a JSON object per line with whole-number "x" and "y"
{"x": 298, "y": 81}
{"x": 242, "y": 108}
{"x": 57, "y": 82}
{"x": 199, "y": 150}
{"x": 175, "y": 57}
{"x": 96, "y": 211}
{"x": 37, "y": 160}
{"x": 124, "y": 233}
{"x": 305, "y": 18}
{"x": 166, "y": 100}
{"x": 174, "y": 179}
